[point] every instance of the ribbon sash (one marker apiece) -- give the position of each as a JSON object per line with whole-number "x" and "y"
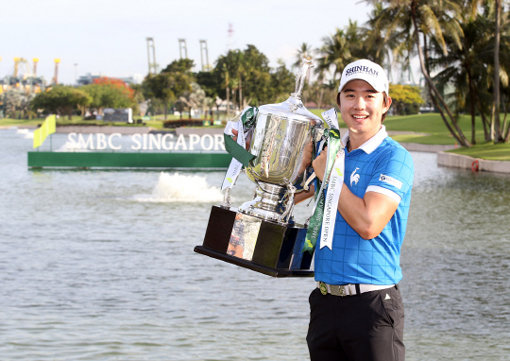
{"x": 335, "y": 164}
{"x": 241, "y": 156}
{"x": 235, "y": 166}
{"x": 331, "y": 202}
{"x": 324, "y": 213}
{"x": 331, "y": 118}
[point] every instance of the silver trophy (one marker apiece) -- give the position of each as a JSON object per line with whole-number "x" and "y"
{"x": 261, "y": 235}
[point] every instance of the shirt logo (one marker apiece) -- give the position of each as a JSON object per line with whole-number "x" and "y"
{"x": 391, "y": 181}
{"x": 354, "y": 177}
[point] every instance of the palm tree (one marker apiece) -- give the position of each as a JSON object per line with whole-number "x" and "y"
{"x": 244, "y": 75}
{"x": 503, "y": 66}
{"x": 357, "y": 40}
{"x": 505, "y": 62}
{"x": 388, "y": 45}
{"x": 497, "y": 135}
{"x": 341, "y": 48}
{"x": 230, "y": 71}
{"x": 471, "y": 69}
{"x": 334, "y": 55}
{"x": 430, "y": 19}
{"x": 464, "y": 68}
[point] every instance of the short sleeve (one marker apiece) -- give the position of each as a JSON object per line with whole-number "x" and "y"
{"x": 393, "y": 173}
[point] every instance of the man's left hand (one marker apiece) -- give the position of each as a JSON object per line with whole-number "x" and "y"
{"x": 319, "y": 164}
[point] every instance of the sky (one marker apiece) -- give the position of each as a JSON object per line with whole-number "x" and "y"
{"x": 108, "y": 37}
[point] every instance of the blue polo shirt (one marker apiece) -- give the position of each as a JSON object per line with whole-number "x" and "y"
{"x": 379, "y": 165}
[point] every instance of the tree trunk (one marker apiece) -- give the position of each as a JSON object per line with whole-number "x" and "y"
{"x": 472, "y": 106}
{"x": 505, "y": 127}
{"x": 498, "y": 136}
{"x": 241, "y": 92}
{"x": 227, "y": 88}
{"x": 434, "y": 93}
{"x": 506, "y": 130}
{"x": 485, "y": 122}
{"x": 234, "y": 97}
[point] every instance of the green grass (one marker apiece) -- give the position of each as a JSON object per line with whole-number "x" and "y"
{"x": 441, "y": 139}
{"x": 436, "y": 133}
{"x": 430, "y": 123}
{"x": 422, "y": 128}
{"x": 9, "y": 122}
{"x": 430, "y": 129}
{"x": 487, "y": 151}
{"x": 433, "y": 127}
{"x": 156, "y": 124}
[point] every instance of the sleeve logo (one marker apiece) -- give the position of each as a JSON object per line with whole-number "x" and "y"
{"x": 391, "y": 181}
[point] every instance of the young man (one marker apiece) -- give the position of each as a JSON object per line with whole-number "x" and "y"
{"x": 356, "y": 309}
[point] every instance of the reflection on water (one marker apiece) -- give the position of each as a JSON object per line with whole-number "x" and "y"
{"x": 99, "y": 265}
{"x": 456, "y": 263}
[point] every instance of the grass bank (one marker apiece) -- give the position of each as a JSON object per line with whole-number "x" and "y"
{"x": 487, "y": 151}
{"x": 433, "y": 131}
{"x": 429, "y": 129}
{"x": 418, "y": 128}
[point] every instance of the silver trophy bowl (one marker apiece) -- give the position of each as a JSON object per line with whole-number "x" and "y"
{"x": 280, "y": 136}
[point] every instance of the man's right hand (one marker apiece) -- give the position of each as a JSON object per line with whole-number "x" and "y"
{"x": 247, "y": 140}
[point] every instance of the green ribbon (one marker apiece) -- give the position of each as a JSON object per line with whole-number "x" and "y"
{"x": 238, "y": 151}
{"x": 314, "y": 226}
{"x": 249, "y": 116}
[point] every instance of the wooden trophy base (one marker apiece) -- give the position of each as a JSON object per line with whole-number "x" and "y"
{"x": 262, "y": 246}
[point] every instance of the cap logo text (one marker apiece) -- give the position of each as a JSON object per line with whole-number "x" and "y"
{"x": 361, "y": 69}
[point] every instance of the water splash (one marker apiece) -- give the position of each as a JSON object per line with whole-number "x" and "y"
{"x": 27, "y": 133}
{"x": 175, "y": 188}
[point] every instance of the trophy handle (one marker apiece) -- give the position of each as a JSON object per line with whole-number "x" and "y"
{"x": 289, "y": 207}
{"x": 226, "y": 199}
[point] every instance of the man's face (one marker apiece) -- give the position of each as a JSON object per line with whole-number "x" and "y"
{"x": 362, "y": 108}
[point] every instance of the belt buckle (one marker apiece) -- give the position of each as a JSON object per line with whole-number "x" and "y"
{"x": 323, "y": 288}
{"x": 341, "y": 290}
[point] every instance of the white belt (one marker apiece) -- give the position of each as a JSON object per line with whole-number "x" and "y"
{"x": 350, "y": 289}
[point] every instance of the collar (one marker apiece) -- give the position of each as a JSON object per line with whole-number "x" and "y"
{"x": 370, "y": 145}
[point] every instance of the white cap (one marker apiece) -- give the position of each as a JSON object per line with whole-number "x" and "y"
{"x": 368, "y": 71}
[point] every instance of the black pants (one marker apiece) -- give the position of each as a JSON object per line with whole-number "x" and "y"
{"x": 365, "y": 327}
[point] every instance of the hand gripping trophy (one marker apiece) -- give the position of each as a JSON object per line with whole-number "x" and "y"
{"x": 260, "y": 234}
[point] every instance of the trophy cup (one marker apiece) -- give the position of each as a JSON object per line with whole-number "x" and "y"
{"x": 260, "y": 234}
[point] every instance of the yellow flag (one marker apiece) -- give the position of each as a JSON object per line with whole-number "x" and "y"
{"x": 48, "y": 127}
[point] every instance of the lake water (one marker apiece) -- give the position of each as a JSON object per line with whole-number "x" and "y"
{"x": 99, "y": 265}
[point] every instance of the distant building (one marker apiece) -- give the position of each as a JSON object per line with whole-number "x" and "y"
{"x": 28, "y": 84}
{"x": 89, "y": 78}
